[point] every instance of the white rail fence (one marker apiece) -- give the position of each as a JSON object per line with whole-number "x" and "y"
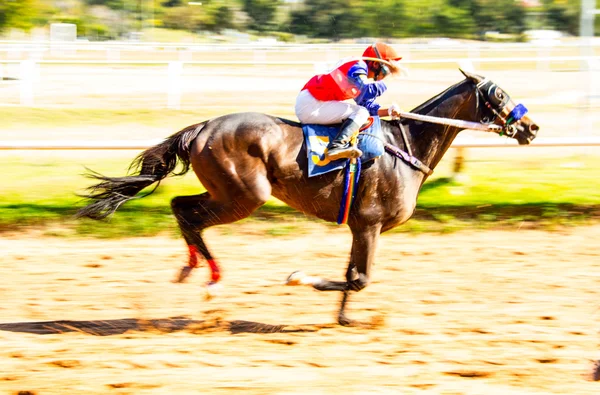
{"x": 277, "y": 45}
{"x": 270, "y": 45}
{"x": 28, "y": 75}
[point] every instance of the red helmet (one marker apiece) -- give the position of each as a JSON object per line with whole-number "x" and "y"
{"x": 381, "y": 51}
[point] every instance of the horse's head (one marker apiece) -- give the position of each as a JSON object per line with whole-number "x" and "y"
{"x": 494, "y": 106}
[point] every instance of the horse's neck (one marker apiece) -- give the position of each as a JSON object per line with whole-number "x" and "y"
{"x": 431, "y": 141}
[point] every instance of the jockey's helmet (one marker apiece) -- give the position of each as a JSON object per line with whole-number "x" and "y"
{"x": 381, "y": 51}
{"x": 384, "y": 52}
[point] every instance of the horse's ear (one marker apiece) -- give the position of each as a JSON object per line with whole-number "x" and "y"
{"x": 473, "y": 77}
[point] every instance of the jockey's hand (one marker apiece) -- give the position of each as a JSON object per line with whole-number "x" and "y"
{"x": 394, "y": 111}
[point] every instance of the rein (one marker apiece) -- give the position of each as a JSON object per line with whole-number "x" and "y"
{"x": 508, "y": 123}
{"x": 451, "y": 122}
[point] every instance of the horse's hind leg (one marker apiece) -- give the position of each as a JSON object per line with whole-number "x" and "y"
{"x": 198, "y": 212}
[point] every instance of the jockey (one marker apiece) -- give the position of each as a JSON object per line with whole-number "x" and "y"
{"x": 321, "y": 100}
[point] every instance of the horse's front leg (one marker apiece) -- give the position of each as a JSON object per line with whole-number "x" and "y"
{"x": 364, "y": 243}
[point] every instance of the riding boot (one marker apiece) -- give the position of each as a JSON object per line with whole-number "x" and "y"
{"x": 340, "y": 146}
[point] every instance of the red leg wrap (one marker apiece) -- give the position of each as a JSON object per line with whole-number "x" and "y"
{"x": 215, "y": 271}
{"x": 193, "y": 262}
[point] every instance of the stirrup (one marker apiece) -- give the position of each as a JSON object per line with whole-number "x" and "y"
{"x": 350, "y": 152}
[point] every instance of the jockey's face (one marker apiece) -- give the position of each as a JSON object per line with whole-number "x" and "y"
{"x": 376, "y": 72}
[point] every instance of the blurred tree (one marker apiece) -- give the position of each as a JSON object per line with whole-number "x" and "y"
{"x": 261, "y": 13}
{"x": 221, "y": 17}
{"x": 213, "y": 16}
{"x": 17, "y": 14}
{"x": 334, "y": 19}
{"x": 327, "y": 19}
{"x": 452, "y": 18}
{"x": 103, "y": 23}
{"x": 182, "y": 19}
{"x": 114, "y": 4}
{"x": 382, "y": 18}
{"x": 172, "y": 3}
{"x": 454, "y": 21}
{"x": 505, "y": 16}
{"x": 563, "y": 15}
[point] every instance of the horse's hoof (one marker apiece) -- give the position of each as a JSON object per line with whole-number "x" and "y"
{"x": 345, "y": 321}
{"x": 184, "y": 273}
{"x": 213, "y": 289}
{"x": 596, "y": 371}
{"x": 295, "y": 278}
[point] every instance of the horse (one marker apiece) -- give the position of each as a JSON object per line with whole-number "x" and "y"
{"x": 242, "y": 159}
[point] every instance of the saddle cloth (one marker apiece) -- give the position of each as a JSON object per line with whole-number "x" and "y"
{"x": 317, "y": 138}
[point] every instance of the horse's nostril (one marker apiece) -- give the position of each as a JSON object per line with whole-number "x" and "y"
{"x": 533, "y": 127}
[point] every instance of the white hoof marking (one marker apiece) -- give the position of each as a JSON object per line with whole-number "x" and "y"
{"x": 212, "y": 290}
{"x": 299, "y": 278}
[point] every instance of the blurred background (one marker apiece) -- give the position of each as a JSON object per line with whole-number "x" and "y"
{"x": 491, "y": 288}
{"x": 119, "y": 75}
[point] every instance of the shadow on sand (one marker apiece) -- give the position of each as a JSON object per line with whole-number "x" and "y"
{"x": 165, "y": 325}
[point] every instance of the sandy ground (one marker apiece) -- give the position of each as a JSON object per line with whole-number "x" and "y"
{"x": 482, "y": 312}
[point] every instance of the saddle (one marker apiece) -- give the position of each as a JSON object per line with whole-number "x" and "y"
{"x": 317, "y": 138}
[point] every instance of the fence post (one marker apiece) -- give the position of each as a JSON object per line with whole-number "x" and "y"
{"x": 458, "y": 166}
{"x": 174, "y": 85}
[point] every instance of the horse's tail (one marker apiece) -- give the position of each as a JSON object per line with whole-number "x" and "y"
{"x": 152, "y": 165}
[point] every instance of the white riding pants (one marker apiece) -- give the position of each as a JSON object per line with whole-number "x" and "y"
{"x": 311, "y": 110}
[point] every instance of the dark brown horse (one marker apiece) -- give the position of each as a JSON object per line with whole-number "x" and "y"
{"x": 242, "y": 159}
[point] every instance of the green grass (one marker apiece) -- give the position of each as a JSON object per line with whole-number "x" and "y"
{"x": 39, "y": 191}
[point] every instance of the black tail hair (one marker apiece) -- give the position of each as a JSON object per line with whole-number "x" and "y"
{"x": 152, "y": 165}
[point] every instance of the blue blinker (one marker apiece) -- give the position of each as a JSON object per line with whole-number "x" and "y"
{"x": 517, "y": 113}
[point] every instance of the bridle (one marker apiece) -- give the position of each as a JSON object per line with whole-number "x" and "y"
{"x": 495, "y": 100}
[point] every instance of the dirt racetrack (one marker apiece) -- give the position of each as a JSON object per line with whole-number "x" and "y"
{"x": 477, "y": 312}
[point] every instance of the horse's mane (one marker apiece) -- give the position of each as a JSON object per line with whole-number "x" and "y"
{"x": 437, "y": 99}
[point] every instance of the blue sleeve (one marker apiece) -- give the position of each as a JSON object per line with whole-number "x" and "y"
{"x": 368, "y": 94}
{"x": 359, "y": 68}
